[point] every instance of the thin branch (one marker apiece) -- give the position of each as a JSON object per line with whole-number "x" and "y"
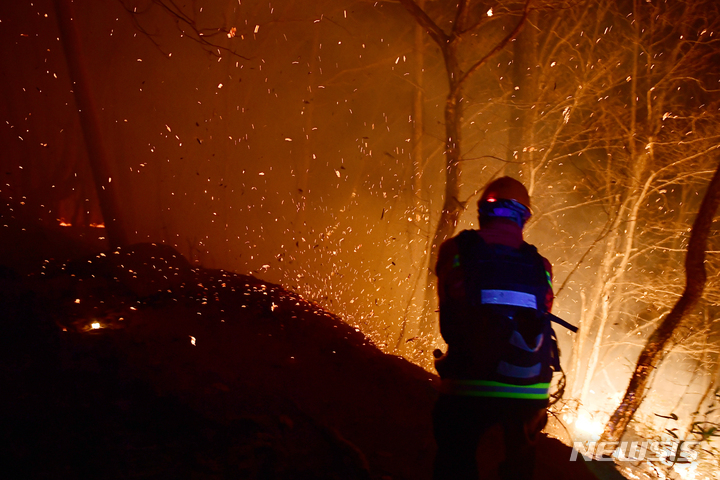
{"x": 492, "y": 52}
{"x": 460, "y": 16}
{"x": 199, "y": 35}
{"x": 437, "y": 34}
{"x": 600, "y": 237}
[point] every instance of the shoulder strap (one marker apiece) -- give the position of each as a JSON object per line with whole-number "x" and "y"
{"x": 467, "y": 242}
{"x": 467, "y": 239}
{"x": 528, "y": 248}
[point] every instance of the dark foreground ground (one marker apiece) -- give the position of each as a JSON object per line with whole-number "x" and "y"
{"x": 204, "y": 374}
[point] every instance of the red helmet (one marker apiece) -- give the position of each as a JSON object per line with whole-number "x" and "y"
{"x": 506, "y": 188}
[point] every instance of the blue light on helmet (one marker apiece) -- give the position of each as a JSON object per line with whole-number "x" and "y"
{"x": 504, "y": 208}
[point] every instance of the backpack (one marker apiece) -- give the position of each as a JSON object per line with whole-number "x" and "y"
{"x": 510, "y": 337}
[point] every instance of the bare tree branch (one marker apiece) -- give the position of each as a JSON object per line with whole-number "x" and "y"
{"x": 494, "y": 51}
{"x": 437, "y": 34}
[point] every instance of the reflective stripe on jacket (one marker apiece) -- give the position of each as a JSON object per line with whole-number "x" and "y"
{"x": 487, "y": 388}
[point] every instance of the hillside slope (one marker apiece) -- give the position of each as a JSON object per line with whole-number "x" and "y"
{"x": 132, "y": 364}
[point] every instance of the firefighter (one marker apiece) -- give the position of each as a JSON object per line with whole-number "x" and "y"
{"x": 495, "y": 292}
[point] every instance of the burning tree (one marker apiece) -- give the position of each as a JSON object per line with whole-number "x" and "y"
{"x": 654, "y": 139}
{"x": 661, "y": 339}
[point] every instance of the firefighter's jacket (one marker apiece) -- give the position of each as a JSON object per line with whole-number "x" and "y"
{"x": 499, "y": 345}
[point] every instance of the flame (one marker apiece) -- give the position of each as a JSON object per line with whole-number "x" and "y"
{"x": 686, "y": 471}
{"x": 585, "y": 426}
{"x": 588, "y": 426}
{"x": 95, "y": 325}
{"x": 63, "y": 223}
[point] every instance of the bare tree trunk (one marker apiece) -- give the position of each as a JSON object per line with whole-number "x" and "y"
{"x": 452, "y": 205}
{"x": 97, "y": 154}
{"x": 627, "y": 215}
{"x": 659, "y": 341}
{"x": 523, "y": 99}
{"x": 631, "y": 206}
{"x": 595, "y": 350}
{"x": 577, "y": 345}
{"x": 587, "y": 318}
{"x": 418, "y": 243}
{"x": 418, "y": 106}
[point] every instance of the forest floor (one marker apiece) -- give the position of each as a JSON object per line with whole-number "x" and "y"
{"x": 133, "y": 364}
